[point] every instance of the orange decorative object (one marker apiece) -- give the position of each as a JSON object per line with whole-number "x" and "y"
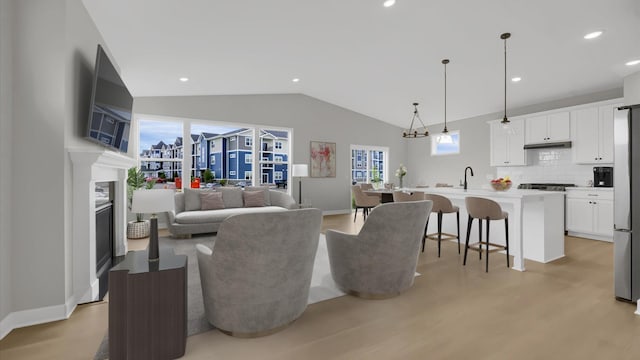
{"x": 195, "y": 183}
{"x": 178, "y": 183}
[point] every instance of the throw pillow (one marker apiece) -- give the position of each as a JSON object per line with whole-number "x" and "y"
{"x": 265, "y": 189}
{"x": 253, "y": 198}
{"x": 232, "y": 196}
{"x": 210, "y": 200}
{"x": 192, "y": 199}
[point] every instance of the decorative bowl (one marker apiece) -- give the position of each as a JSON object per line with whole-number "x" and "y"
{"x": 501, "y": 186}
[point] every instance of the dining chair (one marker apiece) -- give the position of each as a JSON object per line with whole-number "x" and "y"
{"x": 363, "y": 201}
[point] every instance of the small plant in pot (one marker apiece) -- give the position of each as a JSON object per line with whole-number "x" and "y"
{"x": 135, "y": 180}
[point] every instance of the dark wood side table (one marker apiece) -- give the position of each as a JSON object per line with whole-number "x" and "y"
{"x": 148, "y": 307}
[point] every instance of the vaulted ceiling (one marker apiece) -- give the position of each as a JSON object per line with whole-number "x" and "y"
{"x": 370, "y": 59}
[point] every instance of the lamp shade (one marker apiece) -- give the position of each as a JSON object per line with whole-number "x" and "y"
{"x": 300, "y": 170}
{"x": 152, "y": 201}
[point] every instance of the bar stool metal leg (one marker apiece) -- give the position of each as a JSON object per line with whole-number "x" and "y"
{"x": 426, "y": 227}
{"x": 458, "y": 223}
{"x": 466, "y": 243}
{"x": 486, "y": 269}
{"x": 439, "y": 231}
{"x": 506, "y": 235}
{"x": 480, "y": 238}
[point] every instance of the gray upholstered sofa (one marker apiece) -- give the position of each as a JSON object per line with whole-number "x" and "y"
{"x": 188, "y": 216}
{"x": 256, "y": 279}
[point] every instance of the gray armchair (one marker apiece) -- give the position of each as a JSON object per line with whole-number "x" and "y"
{"x": 381, "y": 260}
{"x": 256, "y": 279}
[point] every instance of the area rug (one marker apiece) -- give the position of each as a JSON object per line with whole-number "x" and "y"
{"x": 322, "y": 285}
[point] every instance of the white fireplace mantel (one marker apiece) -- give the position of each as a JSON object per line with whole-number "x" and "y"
{"x": 91, "y": 166}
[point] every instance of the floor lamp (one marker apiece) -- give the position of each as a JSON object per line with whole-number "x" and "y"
{"x": 300, "y": 171}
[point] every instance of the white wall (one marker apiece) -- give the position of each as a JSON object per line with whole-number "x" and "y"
{"x": 474, "y": 150}
{"x": 47, "y": 52}
{"x": 310, "y": 118}
{"x": 5, "y": 156}
{"x": 37, "y": 247}
{"x": 632, "y": 89}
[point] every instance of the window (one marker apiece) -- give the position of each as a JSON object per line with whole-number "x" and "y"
{"x": 213, "y": 159}
{"x": 232, "y": 139}
{"x": 232, "y": 173}
{"x": 368, "y": 163}
{"x": 441, "y": 146}
{"x": 212, "y": 145}
{"x": 248, "y": 158}
{"x": 232, "y": 155}
{"x": 277, "y": 158}
{"x": 278, "y": 145}
{"x": 277, "y": 175}
{"x": 248, "y": 141}
{"x": 248, "y": 175}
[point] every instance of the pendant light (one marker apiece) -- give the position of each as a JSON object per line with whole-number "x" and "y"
{"x": 415, "y": 132}
{"x": 505, "y": 121}
{"x": 445, "y": 138}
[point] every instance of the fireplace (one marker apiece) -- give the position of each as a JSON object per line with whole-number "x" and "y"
{"x": 92, "y": 166}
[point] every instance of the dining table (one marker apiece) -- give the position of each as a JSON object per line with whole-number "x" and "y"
{"x": 385, "y": 195}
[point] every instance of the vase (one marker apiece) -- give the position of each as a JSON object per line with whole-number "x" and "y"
{"x": 400, "y": 185}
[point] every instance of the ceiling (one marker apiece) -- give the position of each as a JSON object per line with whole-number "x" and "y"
{"x": 370, "y": 59}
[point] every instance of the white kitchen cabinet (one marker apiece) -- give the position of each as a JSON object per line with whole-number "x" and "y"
{"x": 548, "y": 128}
{"x": 507, "y": 145}
{"x": 593, "y": 135}
{"x": 590, "y": 213}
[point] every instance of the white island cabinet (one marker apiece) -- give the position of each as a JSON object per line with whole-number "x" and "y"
{"x": 536, "y": 222}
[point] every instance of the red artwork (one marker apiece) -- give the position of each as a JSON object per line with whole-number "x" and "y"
{"x": 323, "y": 159}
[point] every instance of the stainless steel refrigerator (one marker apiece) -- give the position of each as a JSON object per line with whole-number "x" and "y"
{"x": 626, "y": 180}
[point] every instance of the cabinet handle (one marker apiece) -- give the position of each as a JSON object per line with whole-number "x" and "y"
{"x": 592, "y": 194}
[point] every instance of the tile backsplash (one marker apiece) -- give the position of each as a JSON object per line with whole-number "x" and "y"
{"x": 549, "y": 166}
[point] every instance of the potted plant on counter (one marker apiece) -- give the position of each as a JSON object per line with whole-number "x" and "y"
{"x": 135, "y": 180}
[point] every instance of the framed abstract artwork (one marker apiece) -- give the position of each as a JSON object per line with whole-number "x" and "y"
{"x": 323, "y": 159}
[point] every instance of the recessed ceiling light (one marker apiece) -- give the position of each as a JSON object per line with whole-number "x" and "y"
{"x": 593, "y": 35}
{"x": 633, "y": 62}
{"x": 184, "y": 79}
{"x": 389, "y": 3}
{"x": 516, "y": 79}
{"x": 295, "y": 80}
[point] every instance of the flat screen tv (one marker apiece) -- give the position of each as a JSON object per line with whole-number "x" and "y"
{"x": 111, "y": 106}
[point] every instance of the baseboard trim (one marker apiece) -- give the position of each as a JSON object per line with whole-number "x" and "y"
{"x": 590, "y": 236}
{"x": 18, "y": 319}
{"x": 337, "y": 212}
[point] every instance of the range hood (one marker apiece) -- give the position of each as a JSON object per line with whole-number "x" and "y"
{"x": 561, "y": 144}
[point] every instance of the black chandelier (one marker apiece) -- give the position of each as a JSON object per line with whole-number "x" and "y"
{"x": 415, "y": 132}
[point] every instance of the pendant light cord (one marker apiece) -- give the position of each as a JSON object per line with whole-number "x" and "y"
{"x": 445, "y": 98}
{"x": 504, "y": 37}
{"x": 505, "y": 81}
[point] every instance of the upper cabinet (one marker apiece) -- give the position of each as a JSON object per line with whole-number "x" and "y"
{"x": 593, "y": 134}
{"x": 548, "y": 128}
{"x": 507, "y": 145}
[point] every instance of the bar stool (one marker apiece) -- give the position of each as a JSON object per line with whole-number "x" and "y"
{"x": 441, "y": 205}
{"x": 481, "y": 208}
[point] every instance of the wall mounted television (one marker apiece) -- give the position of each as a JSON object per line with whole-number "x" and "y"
{"x": 111, "y": 106}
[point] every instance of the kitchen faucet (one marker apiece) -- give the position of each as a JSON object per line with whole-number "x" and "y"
{"x": 465, "y": 175}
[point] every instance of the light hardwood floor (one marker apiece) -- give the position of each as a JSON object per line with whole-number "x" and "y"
{"x": 564, "y": 309}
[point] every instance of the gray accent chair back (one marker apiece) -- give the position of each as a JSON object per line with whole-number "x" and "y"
{"x": 256, "y": 279}
{"x": 381, "y": 260}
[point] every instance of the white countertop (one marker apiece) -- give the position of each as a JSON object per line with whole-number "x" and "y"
{"x": 590, "y": 188}
{"x": 490, "y": 193}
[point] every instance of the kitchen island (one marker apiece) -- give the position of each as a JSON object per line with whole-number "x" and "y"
{"x": 536, "y": 221}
